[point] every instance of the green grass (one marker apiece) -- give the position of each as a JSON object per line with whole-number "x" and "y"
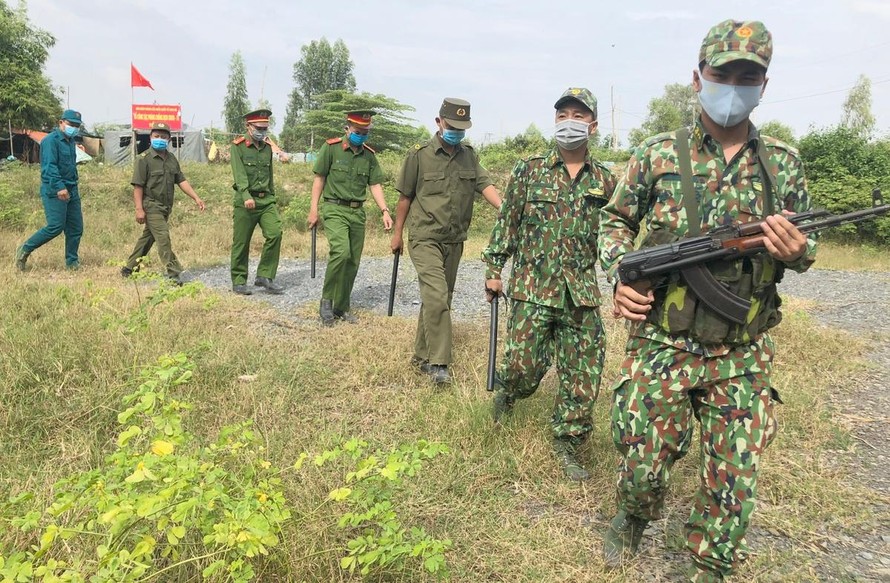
{"x": 65, "y": 363}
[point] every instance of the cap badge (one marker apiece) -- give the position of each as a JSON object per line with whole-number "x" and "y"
{"x": 744, "y": 32}
{"x": 461, "y": 111}
{"x": 576, "y": 91}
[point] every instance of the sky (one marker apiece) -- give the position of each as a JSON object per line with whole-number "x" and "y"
{"x": 510, "y": 58}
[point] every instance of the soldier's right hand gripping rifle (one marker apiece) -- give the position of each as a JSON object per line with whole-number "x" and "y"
{"x": 691, "y": 255}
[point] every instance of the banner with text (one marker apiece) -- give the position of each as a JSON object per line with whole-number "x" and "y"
{"x": 145, "y": 115}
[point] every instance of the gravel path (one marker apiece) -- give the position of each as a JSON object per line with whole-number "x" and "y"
{"x": 855, "y": 302}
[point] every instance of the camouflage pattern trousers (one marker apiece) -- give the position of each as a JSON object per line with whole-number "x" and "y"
{"x": 661, "y": 390}
{"x": 575, "y": 336}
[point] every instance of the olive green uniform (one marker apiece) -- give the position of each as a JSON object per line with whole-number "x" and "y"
{"x": 157, "y": 173}
{"x": 348, "y": 174}
{"x": 442, "y": 189}
{"x": 252, "y": 171}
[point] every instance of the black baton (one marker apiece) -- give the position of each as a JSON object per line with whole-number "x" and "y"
{"x": 392, "y": 282}
{"x": 312, "y": 252}
{"x": 492, "y": 343}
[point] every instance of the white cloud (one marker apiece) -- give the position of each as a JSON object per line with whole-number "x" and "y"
{"x": 662, "y": 15}
{"x": 881, "y": 9}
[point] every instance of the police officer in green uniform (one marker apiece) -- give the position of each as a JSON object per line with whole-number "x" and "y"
{"x": 255, "y": 204}
{"x": 437, "y": 187}
{"x": 155, "y": 174}
{"x": 345, "y": 169}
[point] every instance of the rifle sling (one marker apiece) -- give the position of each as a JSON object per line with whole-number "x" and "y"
{"x": 690, "y": 201}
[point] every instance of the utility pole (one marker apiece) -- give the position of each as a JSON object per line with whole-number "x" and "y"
{"x": 614, "y": 118}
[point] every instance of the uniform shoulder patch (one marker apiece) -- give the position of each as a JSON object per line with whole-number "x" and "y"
{"x": 370, "y": 149}
{"x": 238, "y": 140}
{"x": 334, "y": 140}
{"x": 659, "y": 138}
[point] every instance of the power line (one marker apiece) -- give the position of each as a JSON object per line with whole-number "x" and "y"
{"x": 830, "y": 91}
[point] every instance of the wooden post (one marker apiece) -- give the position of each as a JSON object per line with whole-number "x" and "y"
{"x": 11, "y": 148}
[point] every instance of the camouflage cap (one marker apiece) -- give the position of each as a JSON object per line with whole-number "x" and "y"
{"x": 579, "y": 94}
{"x": 159, "y": 126}
{"x": 734, "y": 40}
{"x": 456, "y": 112}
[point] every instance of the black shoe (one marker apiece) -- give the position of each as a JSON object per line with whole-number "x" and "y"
{"x": 241, "y": 289}
{"x": 346, "y": 317}
{"x": 438, "y": 373}
{"x": 271, "y": 286}
{"x": 126, "y": 272}
{"x": 326, "y": 312}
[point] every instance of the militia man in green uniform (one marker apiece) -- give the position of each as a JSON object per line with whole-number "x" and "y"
{"x": 685, "y": 361}
{"x": 255, "y": 204}
{"x": 345, "y": 169}
{"x": 155, "y": 174}
{"x": 59, "y": 192}
{"x": 437, "y": 187}
{"x": 548, "y": 225}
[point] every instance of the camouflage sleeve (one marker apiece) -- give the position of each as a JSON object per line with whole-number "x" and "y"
{"x": 620, "y": 218}
{"x": 792, "y": 183}
{"x": 505, "y": 233}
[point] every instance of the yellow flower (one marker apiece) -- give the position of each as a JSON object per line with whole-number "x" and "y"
{"x": 265, "y": 464}
{"x": 161, "y": 448}
{"x": 261, "y": 496}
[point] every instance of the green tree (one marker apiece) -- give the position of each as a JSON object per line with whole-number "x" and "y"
{"x": 675, "y": 109}
{"x": 27, "y": 97}
{"x": 391, "y": 129}
{"x": 778, "y": 130}
{"x": 322, "y": 67}
{"x": 857, "y": 109}
{"x": 236, "y": 103}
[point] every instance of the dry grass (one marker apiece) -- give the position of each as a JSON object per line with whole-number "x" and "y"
{"x": 64, "y": 364}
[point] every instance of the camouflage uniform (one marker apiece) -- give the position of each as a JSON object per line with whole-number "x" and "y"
{"x": 666, "y": 379}
{"x": 548, "y": 224}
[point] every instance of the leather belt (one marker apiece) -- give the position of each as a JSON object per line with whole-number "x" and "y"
{"x": 354, "y": 204}
{"x": 258, "y": 194}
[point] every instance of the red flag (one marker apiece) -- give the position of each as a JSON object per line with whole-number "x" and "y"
{"x": 137, "y": 80}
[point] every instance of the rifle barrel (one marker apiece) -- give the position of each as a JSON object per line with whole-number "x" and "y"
{"x": 392, "y": 282}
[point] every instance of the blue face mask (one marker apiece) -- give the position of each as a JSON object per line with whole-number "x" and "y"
{"x": 159, "y": 143}
{"x": 71, "y": 131}
{"x": 357, "y": 139}
{"x": 453, "y": 137}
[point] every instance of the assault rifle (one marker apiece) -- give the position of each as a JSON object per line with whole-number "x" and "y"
{"x": 691, "y": 256}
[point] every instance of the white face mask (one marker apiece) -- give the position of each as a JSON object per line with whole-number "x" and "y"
{"x": 571, "y": 134}
{"x": 728, "y": 105}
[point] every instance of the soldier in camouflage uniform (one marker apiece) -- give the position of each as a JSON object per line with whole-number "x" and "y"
{"x": 684, "y": 361}
{"x": 548, "y": 224}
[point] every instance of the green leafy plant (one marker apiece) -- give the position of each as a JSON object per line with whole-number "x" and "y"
{"x": 162, "y": 503}
{"x": 380, "y": 541}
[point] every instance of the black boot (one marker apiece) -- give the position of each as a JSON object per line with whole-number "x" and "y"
{"x": 623, "y": 538}
{"x": 326, "y": 311}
